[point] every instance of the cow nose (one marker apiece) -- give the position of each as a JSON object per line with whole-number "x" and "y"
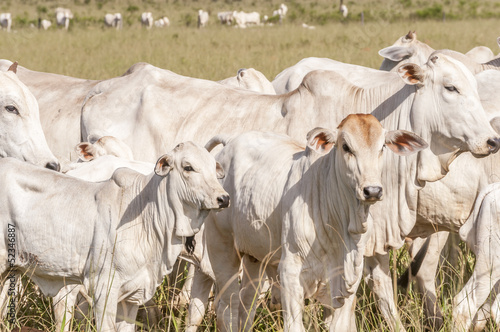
{"x": 493, "y": 144}
{"x": 223, "y": 201}
{"x": 55, "y": 166}
{"x": 372, "y": 192}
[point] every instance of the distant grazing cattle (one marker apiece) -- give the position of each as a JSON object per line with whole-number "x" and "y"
{"x": 225, "y": 17}
{"x": 63, "y": 16}
{"x": 98, "y": 240}
{"x": 243, "y": 19}
{"x": 44, "y": 24}
{"x": 162, "y": 22}
{"x": 113, "y": 20}
{"x": 5, "y": 21}
{"x": 21, "y": 135}
{"x": 147, "y": 20}
{"x": 250, "y": 79}
{"x": 343, "y": 10}
{"x": 202, "y": 18}
{"x": 281, "y": 12}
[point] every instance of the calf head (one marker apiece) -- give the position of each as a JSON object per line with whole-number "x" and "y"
{"x": 192, "y": 186}
{"x": 360, "y": 141}
{"x": 21, "y": 134}
{"x": 101, "y": 146}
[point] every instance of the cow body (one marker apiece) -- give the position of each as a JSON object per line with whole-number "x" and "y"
{"x": 147, "y": 20}
{"x": 202, "y": 18}
{"x": 6, "y": 21}
{"x": 88, "y": 241}
{"x": 113, "y": 20}
{"x": 243, "y": 19}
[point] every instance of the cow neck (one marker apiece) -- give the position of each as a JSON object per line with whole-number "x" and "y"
{"x": 152, "y": 208}
{"x": 341, "y": 220}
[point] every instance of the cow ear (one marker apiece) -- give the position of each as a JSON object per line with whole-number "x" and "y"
{"x": 85, "y": 151}
{"x": 321, "y": 140}
{"x": 219, "y": 170}
{"x": 13, "y": 67}
{"x": 164, "y": 165}
{"x": 495, "y": 123}
{"x": 395, "y": 53}
{"x": 404, "y": 143}
{"x": 411, "y": 74}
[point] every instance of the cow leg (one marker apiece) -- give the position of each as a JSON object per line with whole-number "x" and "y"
{"x": 225, "y": 262}
{"x": 202, "y": 284}
{"x": 251, "y": 285}
{"x": 292, "y": 292}
{"x": 186, "y": 290}
{"x": 126, "y": 315}
{"x": 104, "y": 313}
{"x": 378, "y": 278}
{"x": 343, "y": 318}
{"x": 63, "y": 304}
{"x": 425, "y": 275}
{"x": 484, "y": 240}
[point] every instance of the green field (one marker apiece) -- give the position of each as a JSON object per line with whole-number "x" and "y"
{"x": 89, "y": 50}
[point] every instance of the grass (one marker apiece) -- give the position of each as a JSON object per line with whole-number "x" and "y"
{"x": 88, "y": 50}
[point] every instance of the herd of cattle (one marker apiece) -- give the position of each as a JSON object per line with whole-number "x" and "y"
{"x": 298, "y": 186}
{"x": 115, "y": 20}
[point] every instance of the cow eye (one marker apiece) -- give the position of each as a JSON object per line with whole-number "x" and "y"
{"x": 188, "y": 168}
{"x": 346, "y": 148}
{"x": 451, "y": 88}
{"x": 12, "y": 109}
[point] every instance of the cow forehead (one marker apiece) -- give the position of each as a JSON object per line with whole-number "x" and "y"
{"x": 363, "y": 129}
{"x": 193, "y": 153}
{"x": 12, "y": 88}
{"x": 451, "y": 69}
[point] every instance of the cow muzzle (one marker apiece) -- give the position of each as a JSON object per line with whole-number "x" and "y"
{"x": 372, "y": 193}
{"x": 223, "y": 201}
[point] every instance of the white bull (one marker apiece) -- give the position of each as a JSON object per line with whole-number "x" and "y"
{"x": 107, "y": 220}
{"x": 114, "y": 20}
{"x": 307, "y": 211}
{"x": 202, "y": 18}
{"x": 63, "y": 16}
{"x": 21, "y": 135}
{"x": 243, "y": 19}
{"x": 5, "y": 21}
{"x": 147, "y": 20}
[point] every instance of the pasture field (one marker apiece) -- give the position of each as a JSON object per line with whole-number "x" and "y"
{"x": 88, "y": 50}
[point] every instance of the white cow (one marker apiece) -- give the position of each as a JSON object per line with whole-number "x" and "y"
{"x": 343, "y": 10}
{"x": 281, "y": 12}
{"x": 114, "y": 20}
{"x": 44, "y": 24}
{"x": 225, "y": 17}
{"x": 21, "y": 135}
{"x": 5, "y": 21}
{"x": 480, "y": 54}
{"x": 162, "y": 22}
{"x": 250, "y": 79}
{"x": 63, "y": 16}
{"x": 202, "y": 18}
{"x": 307, "y": 211}
{"x": 243, "y": 19}
{"x": 60, "y": 100}
{"x": 108, "y": 219}
{"x": 147, "y": 20}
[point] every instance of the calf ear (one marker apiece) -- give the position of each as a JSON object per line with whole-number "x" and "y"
{"x": 404, "y": 143}
{"x": 321, "y": 140}
{"x": 13, "y": 67}
{"x": 164, "y": 165}
{"x": 411, "y": 74}
{"x": 395, "y": 53}
{"x": 85, "y": 151}
{"x": 219, "y": 170}
{"x": 495, "y": 122}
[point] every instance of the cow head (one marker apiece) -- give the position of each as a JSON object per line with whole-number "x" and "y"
{"x": 192, "y": 188}
{"x": 360, "y": 141}
{"x": 21, "y": 134}
{"x": 105, "y": 145}
{"x": 448, "y": 114}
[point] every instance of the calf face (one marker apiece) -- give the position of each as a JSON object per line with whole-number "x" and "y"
{"x": 193, "y": 174}
{"x": 360, "y": 141}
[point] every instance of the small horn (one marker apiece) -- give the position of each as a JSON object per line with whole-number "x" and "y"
{"x": 13, "y": 67}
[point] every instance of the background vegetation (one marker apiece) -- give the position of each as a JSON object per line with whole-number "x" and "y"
{"x": 89, "y": 50}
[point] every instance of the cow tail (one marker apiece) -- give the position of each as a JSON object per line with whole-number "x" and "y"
{"x": 216, "y": 140}
{"x": 415, "y": 265}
